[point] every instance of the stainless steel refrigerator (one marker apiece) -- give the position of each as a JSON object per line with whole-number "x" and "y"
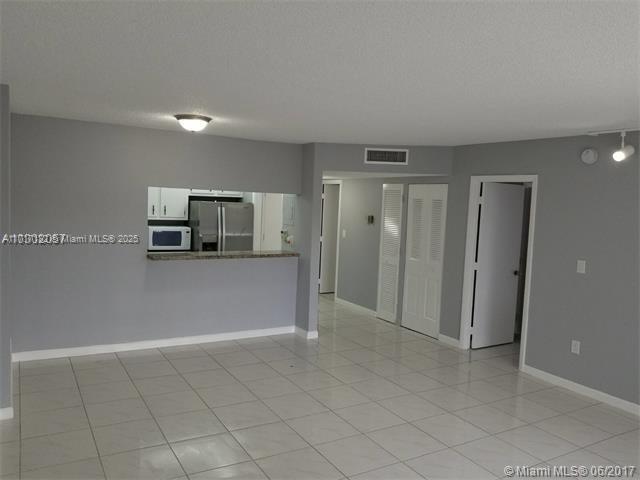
{"x": 221, "y": 226}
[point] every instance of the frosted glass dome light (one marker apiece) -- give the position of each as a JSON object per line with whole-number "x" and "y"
{"x": 193, "y": 123}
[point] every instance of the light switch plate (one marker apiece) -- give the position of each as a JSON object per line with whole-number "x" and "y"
{"x": 575, "y": 347}
{"x": 582, "y": 266}
{"x": 344, "y": 233}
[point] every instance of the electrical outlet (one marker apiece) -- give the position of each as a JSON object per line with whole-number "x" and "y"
{"x": 582, "y": 266}
{"x": 575, "y": 347}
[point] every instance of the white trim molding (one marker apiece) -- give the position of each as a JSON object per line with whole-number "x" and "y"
{"x": 355, "y": 306}
{"x": 452, "y": 342}
{"x": 308, "y": 335}
{"x": 165, "y": 342}
{"x": 472, "y": 222}
{"x": 6, "y": 413}
{"x": 598, "y": 395}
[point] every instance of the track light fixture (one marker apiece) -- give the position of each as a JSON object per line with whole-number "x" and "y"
{"x": 625, "y": 151}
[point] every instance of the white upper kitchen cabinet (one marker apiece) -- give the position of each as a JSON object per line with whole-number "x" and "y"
{"x": 203, "y": 192}
{"x": 153, "y": 203}
{"x": 167, "y": 203}
{"x": 174, "y": 203}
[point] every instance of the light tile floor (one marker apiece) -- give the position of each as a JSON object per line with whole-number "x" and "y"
{"x": 367, "y": 400}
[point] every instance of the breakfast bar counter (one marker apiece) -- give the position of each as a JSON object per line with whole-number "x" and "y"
{"x": 212, "y": 255}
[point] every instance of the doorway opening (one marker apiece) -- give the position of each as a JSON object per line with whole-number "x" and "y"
{"x": 329, "y": 245}
{"x": 370, "y": 240}
{"x": 498, "y": 261}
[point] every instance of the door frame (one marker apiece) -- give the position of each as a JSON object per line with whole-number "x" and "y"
{"x": 470, "y": 247}
{"x": 339, "y": 221}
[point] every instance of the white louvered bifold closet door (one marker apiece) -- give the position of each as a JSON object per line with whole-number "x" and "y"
{"x": 390, "y": 241}
{"x": 426, "y": 220}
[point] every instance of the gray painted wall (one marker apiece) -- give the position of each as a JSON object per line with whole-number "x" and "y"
{"x": 359, "y": 250}
{"x": 82, "y": 177}
{"x": 5, "y": 226}
{"x": 322, "y": 157}
{"x": 307, "y": 227}
{"x": 583, "y": 212}
{"x": 86, "y": 177}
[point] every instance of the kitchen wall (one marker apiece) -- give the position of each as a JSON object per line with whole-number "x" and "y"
{"x": 82, "y": 177}
{"x": 5, "y": 226}
{"x": 583, "y": 212}
{"x": 323, "y": 157}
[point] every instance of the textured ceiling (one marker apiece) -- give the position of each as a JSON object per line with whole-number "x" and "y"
{"x": 419, "y": 73}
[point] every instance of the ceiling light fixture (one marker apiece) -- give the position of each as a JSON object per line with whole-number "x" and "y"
{"x": 192, "y": 123}
{"x": 625, "y": 151}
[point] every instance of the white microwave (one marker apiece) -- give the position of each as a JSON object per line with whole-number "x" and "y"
{"x": 169, "y": 238}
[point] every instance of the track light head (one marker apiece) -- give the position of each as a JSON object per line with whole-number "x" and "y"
{"x": 625, "y": 151}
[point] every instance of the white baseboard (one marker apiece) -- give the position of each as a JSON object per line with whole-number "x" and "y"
{"x": 165, "y": 342}
{"x": 355, "y": 306}
{"x": 616, "y": 402}
{"x": 452, "y": 342}
{"x": 6, "y": 413}
{"x": 309, "y": 335}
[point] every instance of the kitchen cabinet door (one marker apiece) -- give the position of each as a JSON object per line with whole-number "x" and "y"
{"x": 153, "y": 203}
{"x": 174, "y": 203}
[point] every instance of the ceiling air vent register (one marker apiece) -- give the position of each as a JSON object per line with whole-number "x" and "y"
{"x": 386, "y": 156}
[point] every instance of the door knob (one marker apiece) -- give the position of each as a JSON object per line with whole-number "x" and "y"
{"x": 515, "y": 272}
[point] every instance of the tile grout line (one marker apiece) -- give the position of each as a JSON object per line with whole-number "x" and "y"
{"x": 309, "y": 445}
{"x": 285, "y": 422}
{"x": 291, "y": 346}
{"x": 66, "y": 431}
{"x": 212, "y": 413}
{"x": 168, "y": 444}
{"x": 84, "y": 408}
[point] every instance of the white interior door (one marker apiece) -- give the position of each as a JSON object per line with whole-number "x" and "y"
{"x": 389, "y": 263}
{"x": 272, "y": 221}
{"x": 329, "y": 238}
{"x": 426, "y": 216}
{"x": 497, "y": 264}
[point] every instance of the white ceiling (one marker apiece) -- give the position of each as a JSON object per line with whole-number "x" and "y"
{"x": 416, "y": 73}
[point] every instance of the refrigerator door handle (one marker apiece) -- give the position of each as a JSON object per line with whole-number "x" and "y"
{"x": 219, "y": 229}
{"x": 224, "y": 230}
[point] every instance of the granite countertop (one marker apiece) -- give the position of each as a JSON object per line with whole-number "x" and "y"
{"x": 219, "y": 255}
